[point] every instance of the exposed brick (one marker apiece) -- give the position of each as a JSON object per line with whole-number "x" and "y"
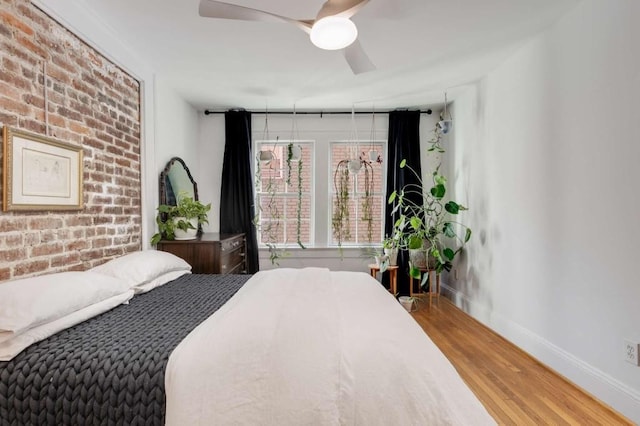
{"x": 60, "y": 75}
{"x": 72, "y": 221}
{"x": 13, "y": 239}
{"x": 30, "y": 267}
{"x": 76, "y": 245}
{"x": 32, "y": 125}
{"x": 9, "y": 91}
{"x": 101, "y": 220}
{"x": 33, "y": 47}
{"x": 112, "y": 210}
{"x": 45, "y": 223}
{"x": 91, "y": 102}
{"x": 46, "y": 249}
{"x": 67, "y": 259}
{"x": 8, "y": 223}
{"x": 16, "y": 106}
{"x": 5, "y": 274}
{"x": 8, "y": 119}
{"x": 101, "y": 242}
{"x": 5, "y": 31}
{"x": 15, "y": 22}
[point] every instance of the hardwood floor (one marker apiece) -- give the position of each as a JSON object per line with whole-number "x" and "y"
{"x": 514, "y": 387}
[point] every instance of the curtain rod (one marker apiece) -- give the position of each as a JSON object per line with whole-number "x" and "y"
{"x": 321, "y": 113}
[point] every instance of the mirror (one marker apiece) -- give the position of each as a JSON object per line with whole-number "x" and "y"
{"x": 175, "y": 178}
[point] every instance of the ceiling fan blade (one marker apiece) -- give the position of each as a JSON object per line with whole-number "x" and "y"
{"x": 218, "y": 9}
{"x": 341, "y": 8}
{"x": 357, "y": 58}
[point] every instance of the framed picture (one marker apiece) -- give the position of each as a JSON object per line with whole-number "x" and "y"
{"x": 40, "y": 173}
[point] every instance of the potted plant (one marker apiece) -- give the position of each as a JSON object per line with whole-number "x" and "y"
{"x": 182, "y": 221}
{"x": 429, "y": 228}
{"x": 390, "y": 248}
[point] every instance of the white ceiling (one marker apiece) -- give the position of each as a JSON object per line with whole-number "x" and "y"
{"x": 421, "y": 48}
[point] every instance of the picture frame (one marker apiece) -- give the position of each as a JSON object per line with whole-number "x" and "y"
{"x": 40, "y": 173}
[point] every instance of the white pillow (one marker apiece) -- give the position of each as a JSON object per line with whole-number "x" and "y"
{"x": 161, "y": 280}
{"x": 10, "y": 347}
{"x": 28, "y": 302}
{"x": 142, "y": 267}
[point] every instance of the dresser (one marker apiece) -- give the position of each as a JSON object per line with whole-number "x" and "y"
{"x": 211, "y": 253}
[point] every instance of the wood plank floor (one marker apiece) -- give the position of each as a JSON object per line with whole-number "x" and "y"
{"x": 514, "y": 387}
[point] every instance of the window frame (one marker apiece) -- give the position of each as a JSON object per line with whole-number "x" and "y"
{"x": 331, "y": 193}
{"x": 258, "y": 144}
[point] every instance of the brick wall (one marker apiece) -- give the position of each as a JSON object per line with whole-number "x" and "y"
{"x": 92, "y": 103}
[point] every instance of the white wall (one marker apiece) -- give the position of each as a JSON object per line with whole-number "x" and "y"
{"x": 546, "y": 155}
{"x": 322, "y": 130}
{"x": 211, "y": 155}
{"x": 176, "y": 130}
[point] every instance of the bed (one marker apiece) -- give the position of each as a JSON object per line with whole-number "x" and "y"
{"x": 281, "y": 347}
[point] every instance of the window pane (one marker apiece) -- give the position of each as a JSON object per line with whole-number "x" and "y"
{"x": 365, "y": 191}
{"x": 281, "y": 184}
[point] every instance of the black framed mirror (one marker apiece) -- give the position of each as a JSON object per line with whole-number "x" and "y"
{"x": 174, "y": 179}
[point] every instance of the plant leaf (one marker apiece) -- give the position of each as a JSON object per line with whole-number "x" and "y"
{"x": 467, "y": 235}
{"x": 452, "y": 207}
{"x": 393, "y": 196}
{"x": 438, "y": 191}
{"x": 439, "y": 179}
{"x": 403, "y": 163}
{"x": 448, "y": 230}
{"x": 416, "y": 223}
{"x": 448, "y": 253}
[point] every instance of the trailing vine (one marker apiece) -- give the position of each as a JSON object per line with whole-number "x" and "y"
{"x": 367, "y": 199}
{"x": 299, "y": 209}
{"x": 340, "y": 220}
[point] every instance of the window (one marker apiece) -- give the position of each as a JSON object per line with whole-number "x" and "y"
{"x": 362, "y": 216}
{"x": 280, "y": 186}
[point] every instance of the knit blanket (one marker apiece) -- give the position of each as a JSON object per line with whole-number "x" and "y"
{"x": 110, "y": 369}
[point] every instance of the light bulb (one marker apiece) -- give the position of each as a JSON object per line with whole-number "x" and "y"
{"x": 333, "y": 33}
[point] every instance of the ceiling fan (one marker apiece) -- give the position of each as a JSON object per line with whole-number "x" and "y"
{"x": 331, "y": 29}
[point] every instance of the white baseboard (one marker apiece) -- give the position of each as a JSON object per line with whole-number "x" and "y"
{"x": 611, "y": 391}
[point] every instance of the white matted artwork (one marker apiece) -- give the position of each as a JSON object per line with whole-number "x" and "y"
{"x": 40, "y": 173}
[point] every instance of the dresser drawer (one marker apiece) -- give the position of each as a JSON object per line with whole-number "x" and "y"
{"x": 232, "y": 263}
{"x": 230, "y": 245}
{"x": 210, "y": 253}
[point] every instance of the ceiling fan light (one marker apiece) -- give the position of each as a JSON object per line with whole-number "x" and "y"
{"x": 333, "y": 33}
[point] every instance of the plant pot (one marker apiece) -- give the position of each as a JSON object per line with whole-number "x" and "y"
{"x": 445, "y": 126}
{"x": 406, "y": 302}
{"x": 189, "y": 234}
{"x": 296, "y": 153}
{"x": 354, "y": 166}
{"x": 373, "y": 155}
{"x": 393, "y": 256}
{"x": 267, "y": 156}
{"x": 418, "y": 258}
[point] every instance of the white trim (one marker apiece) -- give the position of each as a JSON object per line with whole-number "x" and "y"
{"x": 611, "y": 391}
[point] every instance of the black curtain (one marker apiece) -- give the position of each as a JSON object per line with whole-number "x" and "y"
{"x": 404, "y": 144}
{"x": 236, "y": 197}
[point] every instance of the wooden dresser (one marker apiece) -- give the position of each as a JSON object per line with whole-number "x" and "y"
{"x": 211, "y": 253}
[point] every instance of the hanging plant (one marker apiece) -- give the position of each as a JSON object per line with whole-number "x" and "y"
{"x": 340, "y": 219}
{"x": 270, "y": 230}
{"x": 367, "y": 199}
{"x": 299, "y": 207}
{"x": 294, "y": 153}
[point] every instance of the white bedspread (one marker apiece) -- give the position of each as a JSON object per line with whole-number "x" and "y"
{"x": 314, "y": 347}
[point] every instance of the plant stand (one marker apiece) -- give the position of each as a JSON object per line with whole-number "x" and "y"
{"x": 393, "y": 276}
{"x": 434, "y": 290}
